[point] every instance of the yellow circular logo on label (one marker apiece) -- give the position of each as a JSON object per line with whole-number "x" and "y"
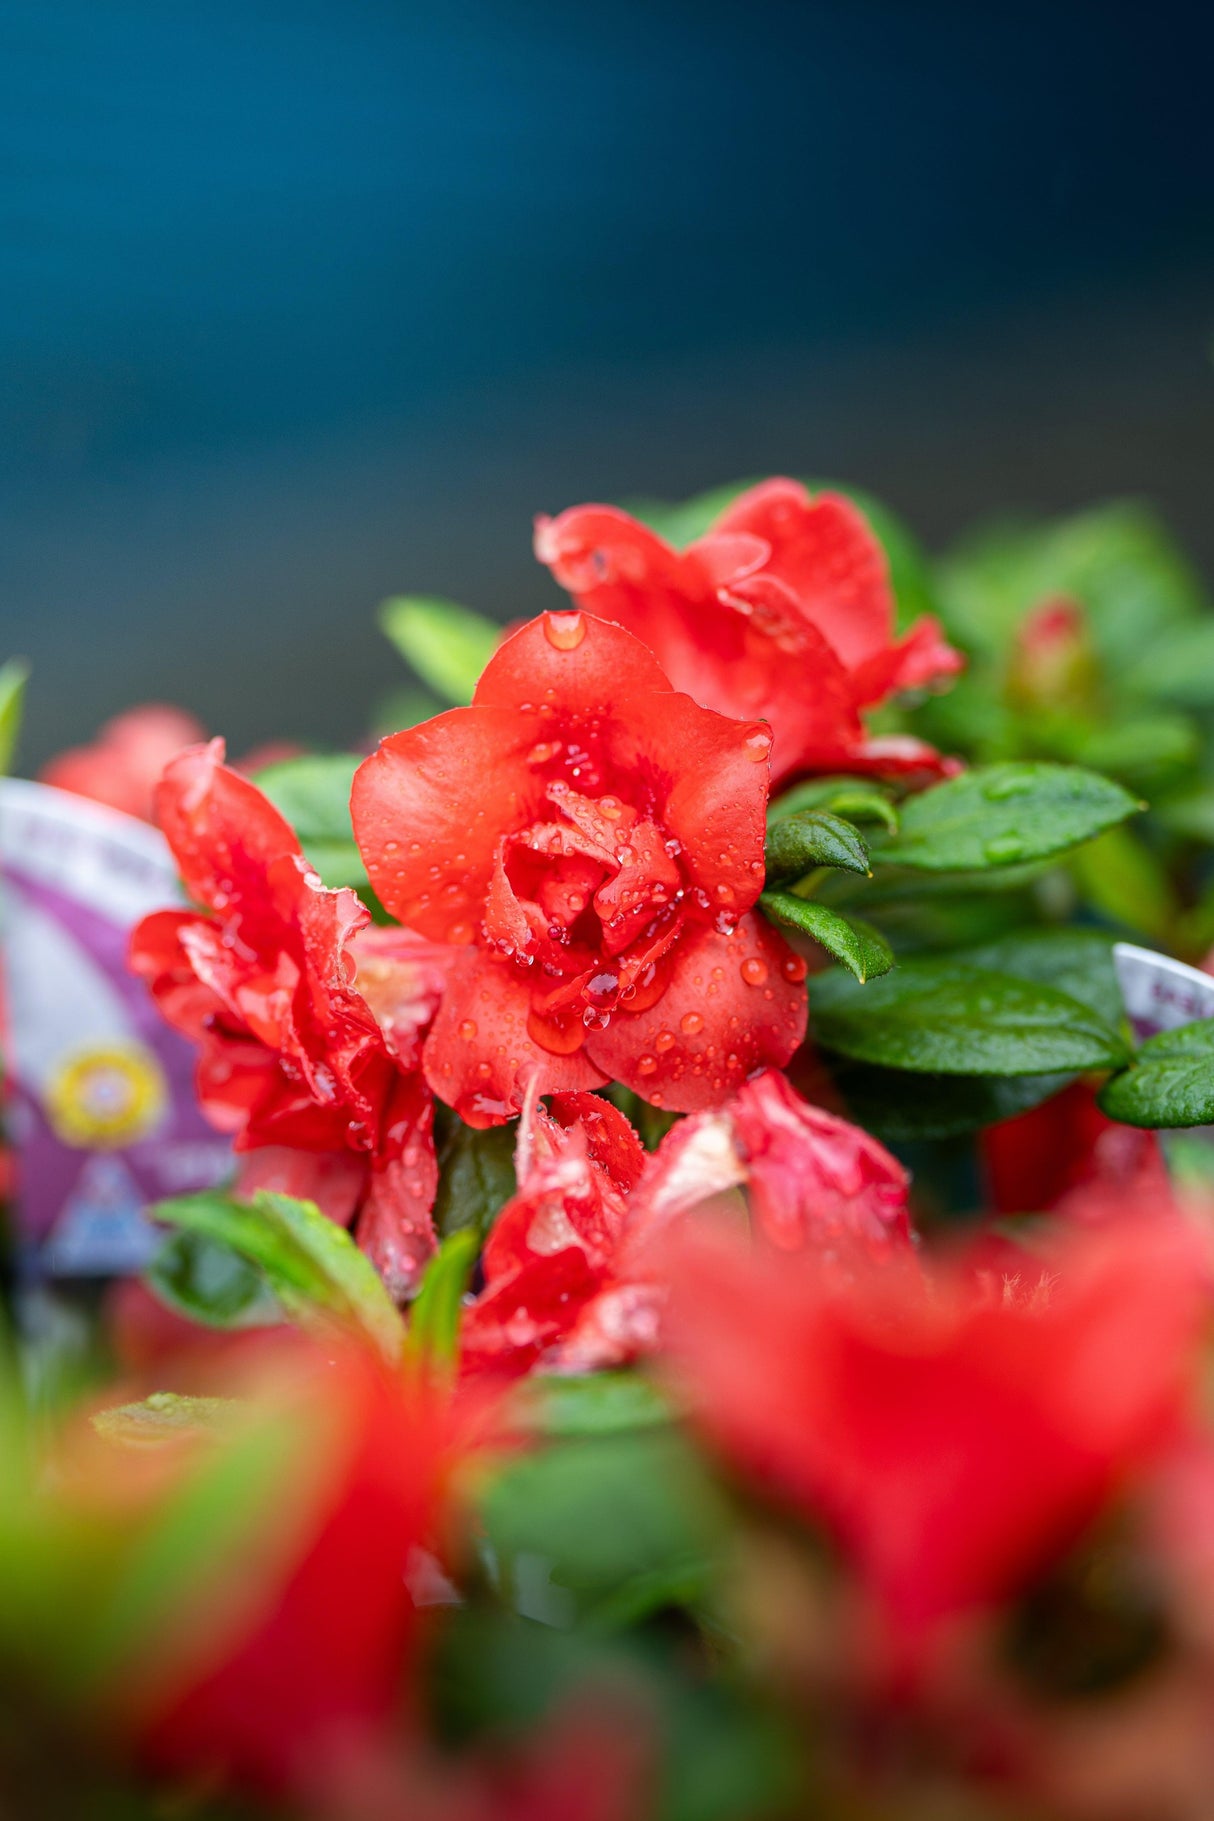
{"x": 106, "y": 1096}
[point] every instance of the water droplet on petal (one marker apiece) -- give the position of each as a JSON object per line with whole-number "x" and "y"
{"x": 646, "y": 1065}
{"x": 663, "y": 1041}
{"x": 565, "y": 631}
{"x": 757, "y": 745}
{"x": 754, "y": 971}
{"x": 461, "y": 933}
{"x": 794, "y": 967}
{"x": 690, "y": 1023}
{"x": 468, "y": 1029}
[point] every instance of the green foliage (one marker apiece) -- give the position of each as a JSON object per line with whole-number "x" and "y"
{"x": 1171, "y": 1082}
{"x": 448, "y": 646}
{"x": 1003, "y": 816}
{"x": 476, "y": 1174}
{"x": 858, "y": 799}
{"x": 938, "y": 1016}
{"x": 602, "y": 1403}
{"x": 312, "y": 1265}
{"x": 13, "y": 676}
{"x": 313, "y": 793}
{"x": 433, "y": 1338}
{"x": 203, "y": 1279}
{"x": 903, "y": 1108}
{"x": 814, "y": 837}
{"x": 853, "y": 942}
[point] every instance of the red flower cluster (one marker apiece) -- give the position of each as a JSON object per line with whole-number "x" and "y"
{"x": 783, "y": 611}
{"x": 574, "y": 1266}
{"x": 956, "y": 1427}
{"x": 316, "y": 1076}
{"x": 591, "y": 845}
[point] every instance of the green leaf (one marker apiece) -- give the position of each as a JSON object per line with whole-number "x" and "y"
{"x": 1001, "y": 816}
{"x": 1171, "y": 1083}
{"x": 310, "y": 1263}
{"x": 857, "y": 944}
{"x": 1123, "y": 879}
{"x": 1076, "y": 961}
{"x": 1137, "y": 750}
{"x": 902, "y": 1108}
{"x": 13, "y": 675}
{"x": 1177, "y": 666}
{"x": 936, "y": 1016}
{"x": 602, "y": 1403}
{"x": 208, "y": 1282}
{"x": 434, "y": 1317}
{"x": 476, "y": 1174}
{"x": 165, "y": 1416}
{"x": 856, "y": 798}
{"x": 313, "y": 793}
{"x": 448, "y": 646}
{"x": 1188, "y": 813}
{"x": 814, "y": 837}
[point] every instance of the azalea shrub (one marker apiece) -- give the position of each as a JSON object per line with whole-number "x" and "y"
{"x": 703, "y": 1322}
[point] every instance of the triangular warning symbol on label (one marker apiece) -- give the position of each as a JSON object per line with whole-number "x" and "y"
{"x": 102, "y": 1229}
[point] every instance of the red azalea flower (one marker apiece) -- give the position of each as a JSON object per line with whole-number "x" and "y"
{"x": 954, "y": 1428}
{"x": 592, "y": 843}
{"x": 294, "y": 1649}
{"x": 123, "y": 764}
{"x": 317, "y": 1078}
{"x": 783, "y": 610}
{"x": 572, "y": 1268}
{"x": 1050, "y": 1158}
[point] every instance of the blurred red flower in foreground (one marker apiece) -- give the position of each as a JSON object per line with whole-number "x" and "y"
{"x": 953, "y": 1427}
{"x": 289, "y": 1649}
{"x": 1034, "y": 1163}
{"x": 783, "y": 610}
{"x": 572, "y": 1271}
{"x": 591, "y": 843}
{"x": 293, "y": 1055}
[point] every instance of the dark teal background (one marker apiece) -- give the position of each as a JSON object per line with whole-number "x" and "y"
{"x": 301, "y": 304}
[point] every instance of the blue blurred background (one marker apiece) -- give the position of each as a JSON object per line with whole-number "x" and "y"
{"x": 305, "y": 303}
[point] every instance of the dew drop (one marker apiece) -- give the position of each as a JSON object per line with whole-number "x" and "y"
{"x": 690, "y": 1023}
{"x": 542, "y": 751}
{"x": 565, "y": 631}
{"x": 794, "y": 967}
{"x": 663, "y": 1041}
{"x": 757, "y": 745}
{"x": 1013, "y": 784}
{"x": 1003, "y": 848}
{"x": 753, "y": 971}
{"x": 646, "y": 1065}
{"x": 460, "y": 933}
{"x": 468, "y": 1029}
{"x": 724, "y": 894}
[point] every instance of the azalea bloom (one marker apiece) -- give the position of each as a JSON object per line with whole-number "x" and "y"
{"x": 296, "y": 1645}
{"x": 308, "y": 1023}
{"x": 590, "y": 843}
{"x": 954, "y": 1428}
{"x": 573, "y": 1274}
{"x": 782, "y": 610}
{"x": 1042, "y": 1160}
{"x": 122, "y": 766}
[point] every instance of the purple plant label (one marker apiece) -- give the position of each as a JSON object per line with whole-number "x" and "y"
{"x": 99, "y": 1091}
{"x": 1159, "y": 993}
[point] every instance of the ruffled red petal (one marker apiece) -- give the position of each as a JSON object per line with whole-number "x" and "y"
{"x": 480, "y": 1057}
{"x": 430, "y": 806}
{"x": 733, "y": 1004}
{"x": 223, "y": 831}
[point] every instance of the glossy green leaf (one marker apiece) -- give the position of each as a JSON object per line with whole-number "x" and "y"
{"x": 206, "y": 1281}
{"x": 1076, "y": 961}
{"x": 1123, "y": 879}
{"x": 856, "y": 798}
{"x": 856, "y": 944}
{"x": 902, "y": 1108}
{"x": 448, "y": 646}
{"x": 476, "y": 1174}
{"x": 13, "y": 675}
{"x": 313, "y": 793}
{"x": 814, "y": 837}
{"x": 310, "y": 1263}
{"x": 1003, "y": 816}
{"x": 1171, "y": 1082}
{"x": 936, "y": 1016}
